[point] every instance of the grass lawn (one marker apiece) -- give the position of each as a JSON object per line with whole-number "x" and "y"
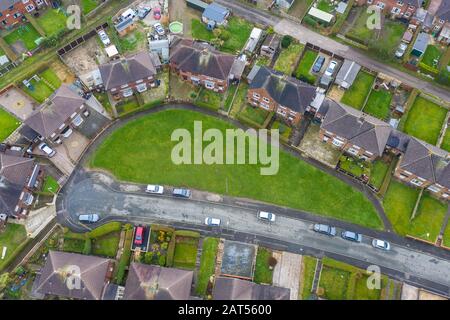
{"x": 285, "y": 131}
{"x": 288, "y": 57}
{"x": 209, "y": 99}
{"x": 8, "y": 123}
{"x": 185, "y": 253}
{"x": 425, "y": 120}
{"x": 129, "y": 105}
{"x": 378, "y": 172}
{"x": 25, "y": 33}
{"x": 104, "y": 100}
{"x": 240, "y": 100}
{"x": 140, "y": 151}
{"x": 50, "y": 185}
{"x": 240, "y": 30}
{"x": 12, "y": 238}
{"x": 52, "y": 21}
{"x": 356, "y": 95}
{"x": 399, "y": 202}
{"x": 446, "y": 239}
{"x": 51, "y": 77}
{"x": 431, "y": 54}
{"x": 308, "y": 270}
{"x": 305, "y": 66}
{"x": 325, "y": 5}
{"x": 446, "y": 141}
{"x": 207, "y": 264}
{"x": 41, "y": 90}
{"x": 262, "y": 61}
{"x": 361, "y": 292}
{"x": 199, "y": 31}
{"x": 354, "y": 166}
{"x": 230, "y": 95}
{"x": 132, "y": 41}
{"x": 378, "y": 104}
{"x": 255, "y": 114}
{"x": 88, "y": 5}
{"x": 263, "y": 274}
{"x": 73, "y": 245}
{"x": 334, "y": 282}
{"x": 106, "y": 245}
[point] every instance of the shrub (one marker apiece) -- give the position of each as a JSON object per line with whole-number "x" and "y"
{"x": 162, "y": 261}
{"x": 272, "y": 262}
{"x": 148, "y": 257}
{"x": 444, "y": 77}
{"x": 105, "y": 229}
{"x": 87, "y": 246}
{"x": 310, "y": 21}
{"x": 286, "y": 41}
{"x": 164, "y": 245}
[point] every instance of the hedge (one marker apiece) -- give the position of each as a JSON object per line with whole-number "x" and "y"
{"x": 428, "y": 69}
{"x": 87, "y": 247}
{"x": 125, "y": 258}
{"x": 170, "y": 252}
{"x": 187, "y": 233}
{"x": 105, "y": 229}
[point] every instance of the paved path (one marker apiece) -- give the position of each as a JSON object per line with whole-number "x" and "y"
{"x": 303, "y": 34}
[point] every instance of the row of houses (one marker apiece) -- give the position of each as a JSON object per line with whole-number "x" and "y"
{"x": 83, "y": 277}
{"x": 13, "y": 11}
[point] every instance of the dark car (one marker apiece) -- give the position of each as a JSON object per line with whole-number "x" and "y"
{"x": 182, "y": 193}
{"x": 318, "y": 64}
{"x": 351, "y": 236}
{"x": 325, "y": 229}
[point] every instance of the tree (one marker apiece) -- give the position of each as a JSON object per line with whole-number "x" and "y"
{"x": 286, "y": 41}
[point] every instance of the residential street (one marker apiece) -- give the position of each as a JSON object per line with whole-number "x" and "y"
{"x": 303, "y": 34}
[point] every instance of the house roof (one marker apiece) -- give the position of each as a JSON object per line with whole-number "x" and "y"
{"x": 14, "y": 174}
{"x": 237, "y": 289}
{"x": 201, "y": 58}
{"x": 5, "y": 4}
{"x": 421, "y": 42}
{"x": 357, "y": 127}
{"x": 348, "y": 72}
{"x": 50, "y": 115}
{"x": 124, "y": 71}
{"x": 427, "y": 162}
{"x": 272, "y": 40}
{"x": 444, "y": 10}
{"x": 148, "y": 282}
{"x": 286, "y": 91}
{"x": 216, "y": 12}
{"x": 61, "y": 268}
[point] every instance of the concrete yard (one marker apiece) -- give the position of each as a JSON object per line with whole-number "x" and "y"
{"x": 286, "y": 273}
{"x": 17, "y": 103}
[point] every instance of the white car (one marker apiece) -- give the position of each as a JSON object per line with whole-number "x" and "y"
{"x": 159, "y": 29}
{"x": 155, "y": 189}
{"x": 267, "y": 216}
{"x": 104, "y": 37}
{"x": 47, "y": 150}
{"x": 381, "y": 244}
{"x": 212, "y": 222}
{"x": 401, "y": 50}
{"x": 88, "y": 218}
{"x": 330, "y": 70}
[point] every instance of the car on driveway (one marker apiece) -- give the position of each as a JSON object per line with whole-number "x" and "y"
{"x": 154, "y": 189}
{"x": 47, "y": 150}
{"x": 401, "y": 50}
{"x": 104, "y": 37}
{"x": 214, "y": 222}
{"x": 325, "y": 229}
{"x": 182, "y": 193}
{"x": 318, "y": 64}
{"x": 266, "y": 216}
{"x": 351, "y": 236}
{"x": 139, "y": 236}
{"x": 381, "y": 244}
{"x": 159, "y": 29}
{"x": 330, "y": 70}
{"x": 88, "y": 218}
{"x": 157, "y": 13}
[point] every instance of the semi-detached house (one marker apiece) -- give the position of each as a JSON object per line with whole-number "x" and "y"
{"x": 12, "y": 11}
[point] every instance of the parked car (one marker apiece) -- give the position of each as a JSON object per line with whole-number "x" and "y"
{"x": 182, "y": 193}
{"x": 214, "y": 222}
{"x": 267, "y": 216}
{"x": 139, "y": 236}
{"x": 157, "y": 13}
{"x": 159, "y": 29}
{"x": 330, "y": 70}
{"x": 381, "y": 244}
{"x": 47, "y": 150}
{"x": 318, "y": 64}
{"x": 155, "y": 189}
{"x": 129, "y": 13}
{"x": 325, "y": 229}
{"x": 88, "y": 218}
{"x": 104, "y": 37}
{"x": 401, "y": 50}
{"x": 67, "y": 132}
{"x": 352, "y": 236}
{"x": 143, "y": 12}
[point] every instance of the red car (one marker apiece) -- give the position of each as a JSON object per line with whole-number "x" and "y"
{"x": 157, "y": 13}
{"x": 138, "y": 237}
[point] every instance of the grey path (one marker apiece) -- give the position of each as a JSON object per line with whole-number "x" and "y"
{"x": 304, "y": 35}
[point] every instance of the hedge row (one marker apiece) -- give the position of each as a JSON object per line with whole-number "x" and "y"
{"x": 187, "y": 233}
{"x": 125, "y": 258}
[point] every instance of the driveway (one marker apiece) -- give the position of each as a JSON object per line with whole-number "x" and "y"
{"x": 286, "y": 273}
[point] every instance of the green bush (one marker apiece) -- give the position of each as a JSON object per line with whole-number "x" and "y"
{"x": 286, "y": 41}
{"x": 125, "y": 258}
{"x": 148, "y": 257}
{"x": 105, "y": 229}
{"x": 87, "y": 247}
{"x": 164, "y": 245}
{"x": 444, "y": 77}
{"x": 162, "y": 261}
{"x": 310, "y": 21}
{"x": 187, "y": 233}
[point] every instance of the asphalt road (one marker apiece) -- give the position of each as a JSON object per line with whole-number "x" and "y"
{"x": 94, "y": 194}
{"x": 304, "y": 35}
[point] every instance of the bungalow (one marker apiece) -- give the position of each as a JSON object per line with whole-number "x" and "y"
{"x": 147, "y": 282}
{"x": 237, "y": 289}
{"x": 425, "y": 166}
{"x": 354, "y": 132}
{"x": 215, "y": 15}
{"x": 276, "y": 92}
{"x": 347, "y": 74}
{"x": 55, "y": 118}
{"x": 397, "y": 8}
{"x": 201, "y": 64}
{"x": 75, "y": 276}
{"x": 270, "y": 46}
{"x": 19, "y": 177}
{"x": 124, "y": 77}
{"x": 12, "y": 11}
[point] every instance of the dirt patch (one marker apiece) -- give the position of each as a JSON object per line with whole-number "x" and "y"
{"x": 62, "y": 72}
{"x": 86, "y": 57}
{"x": 336, "y": 93}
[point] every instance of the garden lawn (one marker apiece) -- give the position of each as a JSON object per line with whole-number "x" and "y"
{"x": 263, "y": 274}
{"x": 240, "y": 30}
{"x": 378, "y": 104}
{"x": 73, "y": 245}
{"x": 185, "y": 253}
{"x": 207, "y": 264}
{"x": 378, "y": 173}
{"x": 50, "y": 185}
{"x": 285, "y": 131}
{"x": 431, "y": 53}
{"x": 335, "y": 283}
{"x": 25, "y": 33}
{"x": 88, "y": 5}
{"x": 140, "y": 151}
{"x": 354, "y": 166}
{"x": 51, "y": 77}
{"x": 104, "y": 100}
{"x": 399, "y": 202}
{"x": 305, "y": 66}
{"x": 325, "y": 5}
{"x": 308, "y": 270}
{"x": 446, "y": 141}
{"x": 209, "y": 99}
{"x": 356, "y": 95}
{"x": 8, "y": 124}
{"x": 132, "y": 41}
{"x": 12, "y": 238}
{"x": 52, "y": 21}
{"x": 425, "y": 120}
{"x": 128, "y": 106}
{"x": 287, "y": 58}
{"x": 255, "y": 114}
{"x": 199, "y": 31}
{"x": 106, "y": 245}
{"x": 447, "y": 236}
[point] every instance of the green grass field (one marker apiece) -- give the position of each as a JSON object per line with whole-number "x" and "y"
{"x": 12, "y": 238}
{"x": 26, "y": 33}
{"x": 378, "y": 172}
{"x": 199, "y": 31}
{"x": 335, "y": 283}
{"x": 88, "y": 5}
{"x": 356, "y": 95}
{"x": 305, "y": 66}
{"x": 50, "y": 185}
{"x": 52, "y": 21}
{"x": 446, "y": 141}
{"x": 8, "y": 124}
{"x": 254, "y": 114}
{"x": 73, "y": 245}
{"x": 308, "y": 269}
{"x": 127, "y": 106}
{"x": 185, "y": 253}
{"x": 378, "y": 104}
{"x": 207, "y": 264}
{"x": 106, "y": 245}
{"x": 288, "y": 57}
{"x": 263, "y": 274}
{"x": 209, "y": 99}
{"x": 51, "y": 77}
{"x": 425, "y": 120}
{"x": 431, "y": 54}
{"x": 140, "y": 151}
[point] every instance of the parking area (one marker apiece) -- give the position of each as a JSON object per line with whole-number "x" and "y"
{"x": 17, "y": 103}
{"x": 286, "y": 273}
{"x": 92, "y": 124}
{"x": 145, "y": 239}
{"x": 155, "y": 5}
{"x": 238, "y": 259}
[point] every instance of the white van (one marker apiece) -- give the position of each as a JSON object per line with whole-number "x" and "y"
{"x": 130, "y": 13}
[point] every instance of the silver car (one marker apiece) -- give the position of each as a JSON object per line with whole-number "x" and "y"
{"x": 325, "y": 229}
{"x": 381, "y": 244}
{"x": 351, "y": 236}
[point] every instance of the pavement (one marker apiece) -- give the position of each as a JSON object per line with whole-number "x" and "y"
{"x": 304, "y": 35}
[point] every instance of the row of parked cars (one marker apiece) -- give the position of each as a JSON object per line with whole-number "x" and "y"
{"x": 350, "y": 235}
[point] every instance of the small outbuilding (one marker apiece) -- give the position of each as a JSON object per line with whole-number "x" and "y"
{"x": 347, "y": 74}
{"x": 421, "y": 44}
{"x": 215, "y": 13}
